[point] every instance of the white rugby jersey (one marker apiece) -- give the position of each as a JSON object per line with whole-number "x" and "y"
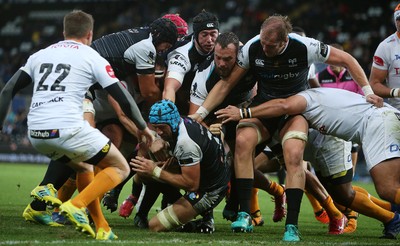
{"x": 387, "y": 57}
{"x": 62, "y": 73}
{"x": 338, "y": 112}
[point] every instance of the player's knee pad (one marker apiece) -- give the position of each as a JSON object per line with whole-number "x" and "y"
{"x": 294, "y": 135}
{"x": 168, "y": 218}
{"x": 88, "y": 107}
{"x": 251, "y": 124}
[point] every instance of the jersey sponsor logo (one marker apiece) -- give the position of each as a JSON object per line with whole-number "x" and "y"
{"x": 394, "y": 148}
{"x": 292, "y": 62}
{"x": 323, "y": 49}
{"x": 272, "y": 75}
{"x": 65, "y": 45}
{"x": 45, "y": 134}
{"x": 397, "y": 57}
{"x": 177, "y": 63}
{"x": 259, "y": 62}
{"x": 193, "y": 91}
{"x": 56, "y": 99}
{"x": 110, "y": 71}
{"x": 378, "y": 61}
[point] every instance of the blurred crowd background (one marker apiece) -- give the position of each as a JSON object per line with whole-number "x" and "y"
{"x": 29, "y": 25}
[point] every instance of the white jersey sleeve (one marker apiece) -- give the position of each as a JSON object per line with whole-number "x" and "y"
{"x": 317, "y": 52}
{"x": 142, "y": 54}
{"x": 179, "y": 62}
{"x": 187, "y": 151}
{"x": 243, "y": 55}
{"x": 198, "y": 91}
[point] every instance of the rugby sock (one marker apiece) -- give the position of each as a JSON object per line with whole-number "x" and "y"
{"x": 330, "y": 209}
{"x": 275, "y": 189}
{"x": 57, "y": 173}
{"x": 397, "y": 197}
{"x": 383, "y": 204}
{"x": 244, "y": 187}
{"x": 314, "y": 202}
{"x": 150, "y": 196}
{"x": 102, "y": 182}
{"x": 82, "y": 181}
{"x": 67, "y": 190}
{"x": 293, "y": 198}
{"x": 365, "y": 206}
{"x": 254, "y": 205}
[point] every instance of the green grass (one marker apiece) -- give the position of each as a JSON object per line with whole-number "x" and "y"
{"x": 17, "y": 180}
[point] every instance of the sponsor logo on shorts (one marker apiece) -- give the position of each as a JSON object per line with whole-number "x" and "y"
{"x": 106, "y": 148}
{"x": 45, "y": 134}
{"x": 193, "y": 196}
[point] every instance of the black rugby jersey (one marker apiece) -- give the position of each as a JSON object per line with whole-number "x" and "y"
{"x": 129, "y": 52}
{"x": 285, "y": 74}
{"x": 195, "y": 143}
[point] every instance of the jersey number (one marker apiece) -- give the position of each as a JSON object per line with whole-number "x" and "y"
{"x": 46, "y": 69}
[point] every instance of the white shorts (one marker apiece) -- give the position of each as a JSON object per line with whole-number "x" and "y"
{"x": 381, "y": 140}
{"x": 74, "y": 144}
{"x": 328, "y": 155}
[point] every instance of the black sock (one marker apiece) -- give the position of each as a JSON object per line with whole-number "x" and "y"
{"x": 57, "y": 173}
{"x": 293, "y": 198}
{"x": 244, "y": 187}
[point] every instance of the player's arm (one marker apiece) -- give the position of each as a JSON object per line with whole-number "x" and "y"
{"x": 17, "y": 82}
{"x": 341, "y": 58}
{"x": 148, "y": 88}
{"x": 377, "y": 80}
{"x": 130, "y": 108}
{"x": 171, "y": 86}
{"x": 188, "y": 179}
{"x": 125, "y": 121}
{"x": 274, "y": 108}
{"x": 219, "y": 93}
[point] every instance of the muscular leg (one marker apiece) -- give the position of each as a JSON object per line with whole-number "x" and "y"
{"x": 293, "y": 149}
{"x": 388, "y": 188}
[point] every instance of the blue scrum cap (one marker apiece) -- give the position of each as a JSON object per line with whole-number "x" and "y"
{"x": 165, "y": 112}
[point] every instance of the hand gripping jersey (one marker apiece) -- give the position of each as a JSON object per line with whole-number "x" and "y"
{"x": 285, "y": 74}
{"x": 387, "y": 57}
{"x": 129, "y": 52}
{"x": 62, "y": 73}
{"x": 206, "y": 78}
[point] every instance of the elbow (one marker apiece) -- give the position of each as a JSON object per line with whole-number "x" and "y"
{"x": 192, "y": 186}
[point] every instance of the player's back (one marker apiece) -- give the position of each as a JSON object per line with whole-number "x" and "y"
{"x": 62, "y": 73}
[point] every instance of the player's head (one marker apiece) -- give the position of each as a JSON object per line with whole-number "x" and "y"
{"x": 274, "y": 34}
{"x": 396, "y": 14}
{"x": 206, "y": 30}
{"x": 78, "y": 24}
{"x": 165, "y": 112}
{"x": 181, "y": 25}
{"x": 163, "y": 30}
{"x": 225, "y": 52}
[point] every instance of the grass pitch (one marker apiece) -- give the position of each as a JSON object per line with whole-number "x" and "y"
{"x": 17, "y": 180}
